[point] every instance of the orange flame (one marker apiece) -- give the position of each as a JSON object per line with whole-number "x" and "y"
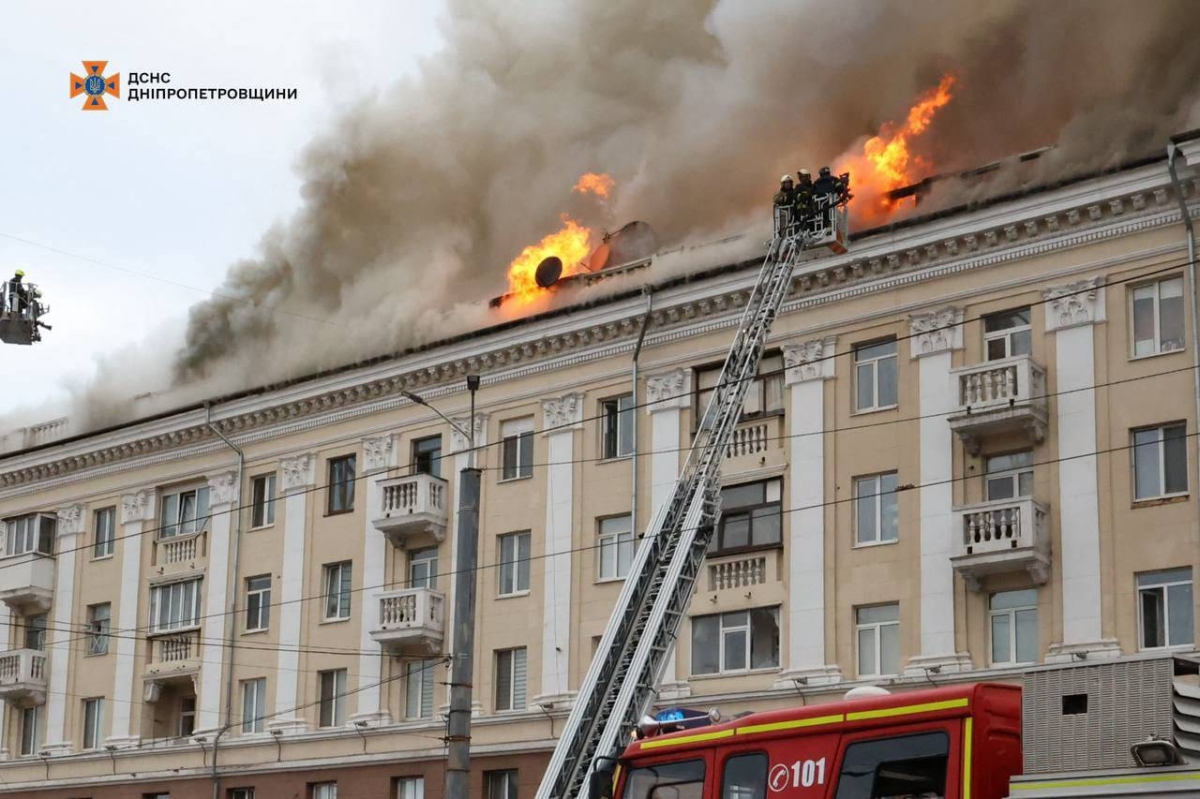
{"x": 886, "y": 162}
{"x": 590, "y": 182}
{"x": 571, "y": 244}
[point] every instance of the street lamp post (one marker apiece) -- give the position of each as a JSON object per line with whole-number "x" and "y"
{"x": 462, "y": 648}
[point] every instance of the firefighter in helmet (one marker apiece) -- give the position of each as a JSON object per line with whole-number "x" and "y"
{"x": 785, "y": 200}
{"x": 804, "y": 196}
{"x": 18, "y": 292}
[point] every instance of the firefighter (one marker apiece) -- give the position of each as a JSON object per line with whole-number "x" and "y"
{"x": 20, "y": 294}
{"x": 804, "y": 197}
{"x": 785, "y": 200}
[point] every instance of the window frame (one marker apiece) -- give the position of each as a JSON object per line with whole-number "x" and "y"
{"x": 35, "y": 535}
{"x": 1156, "y": 312}
{"x": 1006, "y": 334}
{"x": 254, "y": 705}
{"x": 177, "y": 528}
{"x": 344, "y": 571}
{"x": 1160, "y": 451}
{"x": 512, "y": 569}
{"x": 1163, "y": 587}
{"x": 1013, "y": 639}
{"x": 262, "y": 502}
{"x": 334, "y": 702}
{"x": 323, "y": 790}
{"x": 769, "y": 381}
{"x": 241, "y": 793}
{"x": 874, "y": 362}
{"x": 410, "y": 788}
{"x": 189, "y": 714}
{"x": 508, "y": 789}
{"x": 877, "y": 504}
{"x": 417, "y": 455}
{"x": 339, "y": 489}
{"x": 748, "y": 642}
{"x": 422, "y": 674}
{"x": 1013, "y": 475}
{"x": 184, "y": 623}
{"x": 33, "y": 630}
{"x": 517, "y": 439}
{"x": 876, "y": 627}
{"x": 93, "y": 728}
{"x": 614, "y": 542}
{"x": 516, "y": 688}
{"x": 616, "y": 427}
{"x": 97, "y": 634}
{"x": 30, "y": 723}
{"x": 717, "y": 548}
{"x": 432, "y": 565}
{"x": 105, "y": 535}
{"x": 258, "y": 604}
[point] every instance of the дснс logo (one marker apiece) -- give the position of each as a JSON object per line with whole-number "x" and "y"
{"x": 95, "y": 85}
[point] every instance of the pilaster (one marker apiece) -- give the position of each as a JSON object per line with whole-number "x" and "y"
{"x": 299, "y": 477}
{"x": 223, "y": 490}
{"x": 69, "y": 531}
{"x": 137, "y": 509}
{"x": 808, "y": 365}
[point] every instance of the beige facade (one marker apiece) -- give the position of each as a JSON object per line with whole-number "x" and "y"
{"x": 935, "y": 479}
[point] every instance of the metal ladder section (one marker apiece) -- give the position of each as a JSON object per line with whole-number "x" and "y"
{"x": 623, "y": 680}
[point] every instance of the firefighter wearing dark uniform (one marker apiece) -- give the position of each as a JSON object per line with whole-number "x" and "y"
{"x": 804, "y": 197}
{"x": 785, "y": 200}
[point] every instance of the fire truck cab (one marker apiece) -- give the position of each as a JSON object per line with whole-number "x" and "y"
{"x": 960, "y": 742}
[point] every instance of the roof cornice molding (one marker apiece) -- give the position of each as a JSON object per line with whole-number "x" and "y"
{"x": 1105, "y": 208}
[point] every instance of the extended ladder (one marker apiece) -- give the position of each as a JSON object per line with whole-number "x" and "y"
{"x": 624, "y": 676}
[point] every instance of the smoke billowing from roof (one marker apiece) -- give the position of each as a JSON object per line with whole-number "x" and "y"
{"x": 420, "y": 196}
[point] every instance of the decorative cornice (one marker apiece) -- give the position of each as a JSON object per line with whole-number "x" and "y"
{"x": 299, "y": 472}
{"x": 1114, "y": 206}
{"x": 222, "y": 488}
{"x": 137, "y": 507}
{"x": 70, "y": 521}
{"x": 668, "y": 390}
{"x": 459, "y": 441}
{"x": 1075, "y": 304}
{"x": 810, "y": 360}
{"x": 562, "y": 414}
{"x": 379, "y": 453}
{"x": 936, "y": 331}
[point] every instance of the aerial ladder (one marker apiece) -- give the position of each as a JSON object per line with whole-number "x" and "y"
{"x": 624, "y": 676}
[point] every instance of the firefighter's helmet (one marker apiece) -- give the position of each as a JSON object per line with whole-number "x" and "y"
{"x": 804, "y": 173}
{"x": 785, "y": 179}
{"x": 824, "y": 171}
{"x": 20, "y": 273}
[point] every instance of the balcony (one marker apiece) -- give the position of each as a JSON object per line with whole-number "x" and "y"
{"x": 174, "y": 657}
{"x": 23, "y": 676}
{"x": 999, "y": 397}
{"x": 742, "y": 571}
{"x": 181, "y": 553}
{"x": 754, "y": 443}
{"x": 1001, "y": 537}
{"x": 412, "y": 622}
{"x": 412, "y": 506}
{"x": 27, "y": 582}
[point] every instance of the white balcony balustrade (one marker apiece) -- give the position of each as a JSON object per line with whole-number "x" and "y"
{"x": 412, "y": 621}
{"x": 173, "y": 656}
{"x": 412, "y": 506}
{"x": 1002, "y": 536}
{"x": 755, "y": 441}
{"x": 181, "y": 553}
{"x": 999, "y": 397}
{"x": 23, "y": 676}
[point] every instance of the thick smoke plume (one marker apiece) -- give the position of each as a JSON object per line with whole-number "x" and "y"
{"x": 418, "y": 199}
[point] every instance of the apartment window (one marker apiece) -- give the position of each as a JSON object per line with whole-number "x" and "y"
{"x": 410, "y": 788}
{"x": 184, "y": 512}
{"x": 517, "y": 448}
{"x": 174, "y": 606}
{"x": 106, "y": 528}
{"x": 1158, "y": 317}
{"x": 341, "y": 484}
{"x": 1160, "y": 461}
{"x": 337, "y": 590}
{"x": 34, "y": 533}
{"x": 501, "y": 784}
{"x": 423, "y": 568}
{"x": 875, "y": 372}
{"x": 514, "y": 563}
{"x": 616, "y": 547}
{"x": 876, "y": 510}
{"x": 617, "y": 427}
{"x": 1009, "y": 476}
{"x": 878, "y": 632}
{"x": 187, "y": 717}
{"x": 99, "y": 618}
{"x": 1014, "y": 627}
{"x": 35, "y": 631}
{"x": 751, "y": 516}
{"x": 732, "y": 642}
{"x": 254, "y": 704}
{"x": 510, "y": 679}
{"x": 420, "y": 676}
{"x": 764, "y": 395}
{"x": 262, "y": 501}
{"x": 323, "y": 790}
{"x": 1165, "y": 600}
{"x": 1007, "y": 334}
{"x": 427, "y": 456}
{"x": 333, "y": 697}
{"x": 241, "y": 793}
{"x": 93, "y": 723}
{"x": 258, "y": 602}
{"x": 29, "y": 730}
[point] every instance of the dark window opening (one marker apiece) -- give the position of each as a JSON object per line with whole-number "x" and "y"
{"x": 1074, "y": 704}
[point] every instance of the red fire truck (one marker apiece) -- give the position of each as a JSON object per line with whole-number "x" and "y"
{"x": 1090, "y": 730}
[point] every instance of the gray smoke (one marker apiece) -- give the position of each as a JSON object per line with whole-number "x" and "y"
{"x": 418, "y": 199}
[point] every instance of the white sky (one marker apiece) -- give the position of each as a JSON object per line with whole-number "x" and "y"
{"x": 174, "y": 189}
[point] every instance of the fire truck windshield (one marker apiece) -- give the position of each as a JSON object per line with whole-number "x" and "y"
{"x": 683, "y": 780}
{"x": 905, "y": 766}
